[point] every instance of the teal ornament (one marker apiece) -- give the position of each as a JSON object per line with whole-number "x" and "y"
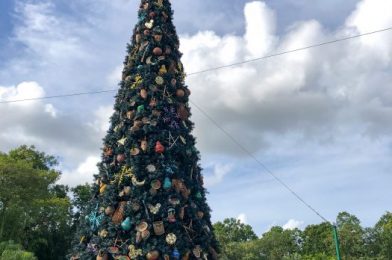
{"x": 198, "y": 195}
{"x": 140, "y": 67}
{"x": 140, "y": 109}
{"x": 167, "y": 184}
{"x": 95, "y": 219}
{"x": 126, "y": 224}
{"x": 176, "y": 254}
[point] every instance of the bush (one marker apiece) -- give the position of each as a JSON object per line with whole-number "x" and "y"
{"x": 11, "y": 251}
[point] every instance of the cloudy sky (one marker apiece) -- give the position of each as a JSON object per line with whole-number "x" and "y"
{"x": 319, "y": 119}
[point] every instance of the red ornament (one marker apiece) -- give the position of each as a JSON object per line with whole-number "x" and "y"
{"x": 120, "y": 158}
{"x": 159, "y": 148}
{"x": 157, "y": 51}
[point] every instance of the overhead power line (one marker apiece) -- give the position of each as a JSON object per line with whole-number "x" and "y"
{"x": 214, "y": 68}
{"x": 251, "y": 155}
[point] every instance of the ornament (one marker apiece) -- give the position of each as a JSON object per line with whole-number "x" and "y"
{"x": 152, "y": 14}
{"x": 155, "y": 209}
{"x": 107, "y": 151}
{"x": 75, "y": 257}
{"x": 135, "y": 206}
{"x": 200, "y": 214}
{"x": 156, "y": 184}
{"x": 118, "y": 215}
{"x": 182, "y": 112}
{"x": 142, "y": 226}
{"x": 136, "y": 182}
{"x": 122, "y": 141}
{"x": 171, "y": 215}
{"x": 122, "y": 257}
{"x": 186, "y": 256}
{"x": 140, "y": 109}
{"x": 138, "y": 38}
{"x": 126, "y": 224}
{"x": 180, "y": 93}
{"x": 130, "y": 114}
{"x": 157, "y": 51}
{"x": 159, "y": 80}
{"x": 162, "y": 70}
{"x": 109, "y": 210}
{"x": 134, "y": 253}
{"x": 167, "y": 183}
{"x": 152, "y": 255}
{"x": 153, "y": 102}
{"x": 159, "y": 3}
{"x": 198, "y": 195}
{"x": 95, "y": 219}
{"x": 144, "y": 145}
{"x": 173, "y": 82}
{"x": 102, "y": 255}
{"x": 113, "y": 250}
{"x": 171, "y": 239}
{"x": 135, "y": 151}
{"x": 102, "y": 188}
{"x": 159, "y": 148}
{"x": 145, "y": 234}
{"x": 176, "y": 254}
{"x": 103, "y": 233}
{"x": 120, "y": 158}
{"x": 151, "y": 168}
{"x": 127, "y": 190}
{"x": 159, "y": 228}
{"x": 143, "y": 93}
{"x": 197, "y": 251}
{"x": 149, "y": 24}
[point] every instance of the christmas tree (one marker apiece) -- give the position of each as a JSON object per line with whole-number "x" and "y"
{"x": 148, "y": 201}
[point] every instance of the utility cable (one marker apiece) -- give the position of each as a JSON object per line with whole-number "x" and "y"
{"x": 215, "y": 68}
{"x": 246, "y": 151}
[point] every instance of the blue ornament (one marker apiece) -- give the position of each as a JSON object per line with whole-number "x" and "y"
{"x": 176, "y": 254}
{"x": 126, "y": 224}
{"x": 198, "y": 195}
{"x": 167, "y": 183}
{"x": 95, "y": 219}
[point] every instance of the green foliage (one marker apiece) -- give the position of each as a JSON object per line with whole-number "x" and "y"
{"x": 351, "y": 236}
{"x": 35, "y": 211}
{"x": 317, "y": 239}
{"x": 11, "y": 251}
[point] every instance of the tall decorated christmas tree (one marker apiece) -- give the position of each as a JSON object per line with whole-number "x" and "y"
{"x": 148, "y": 201}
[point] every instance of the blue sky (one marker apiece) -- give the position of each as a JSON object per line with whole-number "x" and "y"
{"x": 319, "y": 119}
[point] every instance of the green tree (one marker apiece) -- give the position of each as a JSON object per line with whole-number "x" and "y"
{"x": 11, "y": 251}
{"x": 383, "y": 230}
{"x": 317, "y": 239}
{"x": 279, "y": 243}
{"x": 35, "y": 211}
{"x": 351, "y": 236}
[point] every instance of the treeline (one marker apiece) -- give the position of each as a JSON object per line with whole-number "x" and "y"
{"x": 38, "y": 218}
{"x": 315, "y": 242}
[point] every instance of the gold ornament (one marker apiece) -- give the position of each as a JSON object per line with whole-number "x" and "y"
{"x": 118, "y": 215}
{"x": 102, "y": 188}
{"x": 159, "y": 80}
{"x": 171, "y": 239}
{"x": 142, "y": 226}
{"x": 134, "y": 253}
{"x": 122, "y": 141}
{"x": 136, "y": 182}
{"x": 162, "y": 70}
{"x": 155, "y": 209}
{"x": 138, "y": 81}
{"x": 149, "y": 24}
{"x": 125, "y": 172}
{"x": 197, "y": 251}
{"x": 103, "y": 233}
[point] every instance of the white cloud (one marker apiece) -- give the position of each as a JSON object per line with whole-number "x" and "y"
{"x": 242, "y": 218}
{"x": 292, "y": 224}
{"x": 217, "y": 174}
{"x": 82, "y": 174}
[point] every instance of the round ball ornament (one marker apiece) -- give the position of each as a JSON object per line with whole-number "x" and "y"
{"x": 171, "y": 239}
{"x": 109, "y": 211}
{"x": 159, "y": 148}
{"x": 120, "y": 158}
{"x": 159, "y": 80}
{"x": 143, "y": 93}
{"x": 152, "y": 255}
{"x": 157, "y": 51}
{"x": 180, "y": 93}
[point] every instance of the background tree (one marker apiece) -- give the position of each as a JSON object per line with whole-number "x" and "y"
{"x": 383, "y": 233}
{"x": 35, "y": 211}
{"x": 351, "y": 235}
{"x": 317, "y": 239}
